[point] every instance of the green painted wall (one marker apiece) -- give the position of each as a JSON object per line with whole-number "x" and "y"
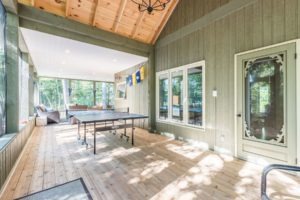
{"x": 12, "y": 67}
{"x": 137, "y": 95}
{"x": 260, "y": 23}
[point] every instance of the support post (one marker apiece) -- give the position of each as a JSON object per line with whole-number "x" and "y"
{"x": 31, "y": 90}
{"x": 151, "y": 93}
{"x": 12, "y": 66}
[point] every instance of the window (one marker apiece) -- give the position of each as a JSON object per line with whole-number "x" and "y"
{"x": 51, "y": 93}
{"x": 105, "y": 94}
{"x": 195, "y": 96}
{"x": 82, "y": 92}
{"x": 177, "y": 96}
{"x": 2, "y": 72}
{"x": 163, "y": 96}
{"x": 185, "y": 87}
{"x": 56, "y": 93}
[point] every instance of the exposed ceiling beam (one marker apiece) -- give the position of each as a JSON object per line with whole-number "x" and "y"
{"x": 119, "y": 15}
{"x": 164, "y": 20}
{"x": 137, "y": 24}
{"x": 95, "y": 13}
{"x": 35, "y": 19}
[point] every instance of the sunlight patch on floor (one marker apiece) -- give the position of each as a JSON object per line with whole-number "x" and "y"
{"x": 150, "y": 170}
{"x": 186, "y": 150}
{"x": 116, "y": 153}
{"x": 199, "y": 175}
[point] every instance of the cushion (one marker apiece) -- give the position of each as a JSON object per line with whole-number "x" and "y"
{"x": 42, "y": 108}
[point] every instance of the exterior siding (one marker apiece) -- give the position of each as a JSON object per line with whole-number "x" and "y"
{"x": 262, "y": 23}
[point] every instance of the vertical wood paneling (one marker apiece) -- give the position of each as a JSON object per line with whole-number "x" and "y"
{"x": 278, "y": 21}
{"x": 10, "y": 153}
{"x": 222, "y": 66}
{"x": 291, "y": 19}
{"x": 263, "y": 23}
{"x": 231, "y": 115}
{"x": 188, "y": 11}
{"x": 209, "y": 54}
{"x": 267, "y": 22}
{"x": 137, "y": 96}
{"x": 200, "y": 39}
{"x": 257, "y": 24}
{"x": 240, "y": 30}
{"x": 249, "y": 26}
{"x": 298, "y": 14}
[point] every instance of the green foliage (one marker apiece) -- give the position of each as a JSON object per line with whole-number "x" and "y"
{"x": 51, "y": 93}
{"x": 195, "y": 88}
{"x": 163, "y": 93}
{"x": 109, "y": 95}
{"x": 82, "y": 92}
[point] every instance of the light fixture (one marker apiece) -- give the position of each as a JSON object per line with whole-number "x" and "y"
{"x": 149, "y": 6}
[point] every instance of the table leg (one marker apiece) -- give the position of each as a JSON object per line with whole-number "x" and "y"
{"x": 125, "y": 128}
{"x": 132, "y": 133}
{"x": 78, "y": 131}
{"x": 84, "y": 140}
{"x": 143, "y": 123}
{"x": 94, "y": 138}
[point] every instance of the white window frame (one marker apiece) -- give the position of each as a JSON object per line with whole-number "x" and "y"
{"x": 184, "y": 69}
{"x": 158, "y": 74}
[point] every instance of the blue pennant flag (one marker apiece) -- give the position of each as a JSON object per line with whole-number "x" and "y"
{"x": 138, "y": 76}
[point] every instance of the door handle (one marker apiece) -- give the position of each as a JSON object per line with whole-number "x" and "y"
{"x": 239, "y": 115}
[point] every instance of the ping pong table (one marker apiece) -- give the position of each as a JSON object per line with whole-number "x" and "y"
{"x": 107, "y": 120}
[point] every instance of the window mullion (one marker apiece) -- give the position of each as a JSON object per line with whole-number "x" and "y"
{"x": 185, "y": 97}
{"x": 170, "y": 95}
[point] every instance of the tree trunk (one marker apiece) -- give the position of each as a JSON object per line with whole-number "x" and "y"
{"x": 104, "y": 95}
{"x": 65, "y": 86}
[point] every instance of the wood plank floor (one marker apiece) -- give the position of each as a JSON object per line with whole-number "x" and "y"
{"x": 157, "y": 167}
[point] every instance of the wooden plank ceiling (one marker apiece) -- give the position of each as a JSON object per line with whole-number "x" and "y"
{"x": 118, "y": 16}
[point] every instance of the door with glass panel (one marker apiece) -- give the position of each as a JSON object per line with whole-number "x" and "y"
{"x": 266, "y": 104}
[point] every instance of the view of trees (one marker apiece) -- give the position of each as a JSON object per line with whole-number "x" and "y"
{"x": 195, "y": 87}
{"x": 264, "y": 93}
{"x": 195, "y": 96}
{"x": 51, "y": 93}
{"x": 56, "y": 93}
{"x": 82, "y": 92}
{"x": 177, "y": 96}
{"x": 105, "y": 93}
{"x": 163, "y": 97}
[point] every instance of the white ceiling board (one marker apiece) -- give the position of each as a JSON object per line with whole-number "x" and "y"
{"x": 59, "y": 57}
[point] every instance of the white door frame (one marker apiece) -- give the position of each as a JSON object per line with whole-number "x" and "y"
{"x": 298, "y": 99}
{"x": 297, "y": 95}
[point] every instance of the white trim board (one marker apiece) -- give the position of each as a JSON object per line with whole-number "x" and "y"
{"x": 298, "y": 99}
